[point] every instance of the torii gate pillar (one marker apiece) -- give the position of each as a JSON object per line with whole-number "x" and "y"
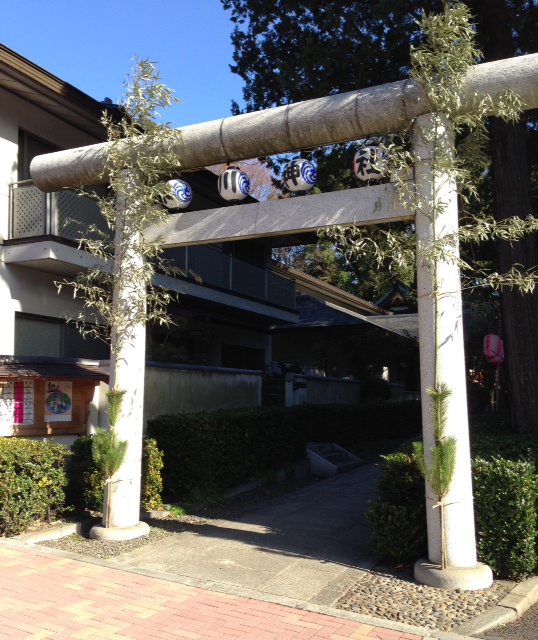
{"x": 442, "y": 360}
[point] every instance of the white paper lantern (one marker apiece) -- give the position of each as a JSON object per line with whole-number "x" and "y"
{"x": 370, "y": 163}
{"x": 182, "y": 195}
{"x": 299, "y": 175}
{"x": 234, "y": 184}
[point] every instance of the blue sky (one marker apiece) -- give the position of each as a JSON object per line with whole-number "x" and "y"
{"x": 91, "y": 44}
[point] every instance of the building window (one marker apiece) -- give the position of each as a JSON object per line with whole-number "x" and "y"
{"x": 42, "y": 336}
{"x": 36, "y": 336}
{"x": 29, "y": 147}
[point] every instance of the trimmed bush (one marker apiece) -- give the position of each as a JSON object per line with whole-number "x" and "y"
{"x": 32, "y": 482}
{"x": 221, "y": 448}
{"x": 86, "y": 485}
{"x": 152, "y": 482}
{"x": 216, "y": 450}
{"x": 508, "y": 446}
{"x": 505, "y": 511}
{"x": 505, "y": 498}
{"x": 398, "y": 519}
{"x": 398, "y": 532}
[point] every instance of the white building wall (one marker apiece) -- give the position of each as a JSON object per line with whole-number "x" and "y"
{"x": 15, "y": 113}
{"x": 34, "y": 291}
{"x": 21, "y": 289}
{"x": 8, "y": 162}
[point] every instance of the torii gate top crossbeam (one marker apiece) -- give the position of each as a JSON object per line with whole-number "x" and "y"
{"x": 319, "y": 122}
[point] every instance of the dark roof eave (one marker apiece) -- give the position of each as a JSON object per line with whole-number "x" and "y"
{"x": 16, "y": 367}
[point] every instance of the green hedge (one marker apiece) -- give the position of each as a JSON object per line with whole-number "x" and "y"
{"x": 505, "y": 499}
{"x": 505, "y": 493}
{"x": 86, "y": 485}
{"x": 32, "y": 482}
{"x": 222, "y": 448}
{"x": 508, "y": 446}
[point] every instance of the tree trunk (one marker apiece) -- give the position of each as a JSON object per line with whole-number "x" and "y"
{"x": 512, "y": 197}
{"x": 511, "y": 188}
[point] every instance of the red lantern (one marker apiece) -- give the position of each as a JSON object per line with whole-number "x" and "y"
{"x": 493, "y": 349}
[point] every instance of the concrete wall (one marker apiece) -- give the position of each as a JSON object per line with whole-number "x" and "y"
{"x": 188, "y": 388}
{"x": 332, "y": 391}
{"x": 317, "y": 390}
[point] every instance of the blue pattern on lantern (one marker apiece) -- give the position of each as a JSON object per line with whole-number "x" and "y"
{"x": 299, "y": 175}
{"x": 182, "y": 195}
{"x": 234, "y": 184}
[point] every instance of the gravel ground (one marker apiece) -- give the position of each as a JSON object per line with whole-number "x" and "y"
{"x": 385, "y": 592}
{"x": 393, "y": 594}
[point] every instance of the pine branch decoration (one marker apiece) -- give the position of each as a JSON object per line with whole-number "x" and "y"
{"x": 440, "y": 472}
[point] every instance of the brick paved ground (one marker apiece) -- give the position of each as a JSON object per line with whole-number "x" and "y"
{"x": 47, "y": 596}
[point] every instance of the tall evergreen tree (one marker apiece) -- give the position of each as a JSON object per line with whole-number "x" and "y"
{"x": 508, "y": 28}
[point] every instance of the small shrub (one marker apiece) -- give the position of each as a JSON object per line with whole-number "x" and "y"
{"x": 505, "y": 512}
{"x": 401, "y": 481}
{"x": 152, "y": 482}
{"x": 206, "y": 495}
{"x": 86, "y": 484}
{"x": 176, "y": 510}
{"x": 32, "y": 483}
{"x": 398, "y": 519}
{"x": 398, "y": 532}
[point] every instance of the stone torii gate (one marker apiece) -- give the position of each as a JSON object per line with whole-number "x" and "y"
{"x": 325, "y": 121}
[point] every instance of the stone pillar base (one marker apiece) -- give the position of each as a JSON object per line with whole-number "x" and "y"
{"x": 98, "y": 532}
{"x": 465, "y": 578}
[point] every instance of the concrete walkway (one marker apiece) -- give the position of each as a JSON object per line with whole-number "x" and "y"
{"x": 307, "y": 546}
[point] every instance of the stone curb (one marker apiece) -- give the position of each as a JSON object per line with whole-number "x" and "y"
{"x": 62, "y": 530}
{"x": 521, "y": 598}
{"x": 52, "y": 533}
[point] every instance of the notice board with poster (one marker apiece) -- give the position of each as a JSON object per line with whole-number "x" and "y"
{"x": 58, "y": 401}
{"x": 45, "y": 396}
{"x": 16, "y": 403}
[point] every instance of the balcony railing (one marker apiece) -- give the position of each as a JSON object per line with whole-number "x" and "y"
{"x": 68, "y": 216}
{"x": 63, "y": 214}
{"x": 220, "y": 269}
